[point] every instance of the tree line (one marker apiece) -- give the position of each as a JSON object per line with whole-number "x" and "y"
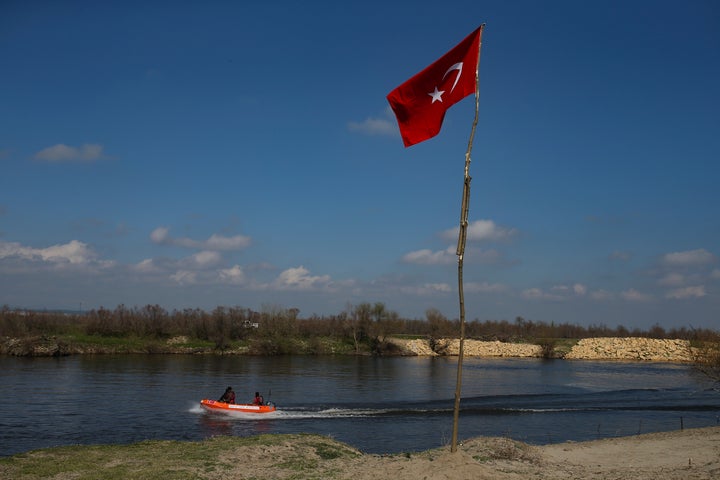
{"x": 366, "y": 325}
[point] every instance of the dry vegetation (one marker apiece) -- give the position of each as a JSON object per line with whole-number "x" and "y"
{"x": 706, "y": 355}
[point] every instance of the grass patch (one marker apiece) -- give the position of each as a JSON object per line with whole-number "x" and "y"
{"x": 120, "y": 343}
{"x": 196, "y": 343}
{"x": 91, "y": 343}
{"x": 331, "y": 451}
{"x": 162, "y": 460}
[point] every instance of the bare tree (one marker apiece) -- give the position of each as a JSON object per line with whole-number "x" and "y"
{"x": 706, "y": 355}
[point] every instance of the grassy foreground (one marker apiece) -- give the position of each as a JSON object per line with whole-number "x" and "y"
{"x": 691, "y": 454}
{"x": 301, "y": 457}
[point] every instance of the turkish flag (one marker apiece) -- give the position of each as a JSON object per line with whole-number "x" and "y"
{"x": 421, "y": 102}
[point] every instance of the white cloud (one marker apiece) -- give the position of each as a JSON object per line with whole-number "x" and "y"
{"x": 299, "y": 279}
{"x": 161, "y": 236}
{"x": 672, "y": 280}
{"x": 689, "y": 258}
{"x": 485, "y": 287}
{"x": 633, "y": 295}
{"x": 218, "y": 242}
{"x": 532, "y": 293}
{"x": 73, "y": 252}
{"x": 234, "y": 275}
{"x": 184, "y": 277}
{"x": 426, "y": 289}
{"x": 188, "y": 270}
{"x": 601, "y": 295}
{"x": 687, "y": 292}
{"x": 63, "y": 153}
{"x": 194, "y": 269}
{"x": 146, "y": 266}
{"x": 206, "y": 259}
{"x": 557, "y": 292}
{"x": 578, "y": 289}
{"x": 481, "y": 230}
{"x": 428, "y": 257}
{"x": 538, "y": 294}
{"x": 449, "y": 256}
{"x": 376, "y": 126}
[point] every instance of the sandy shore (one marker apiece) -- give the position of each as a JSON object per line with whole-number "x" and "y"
{"x": 688, "y": 455}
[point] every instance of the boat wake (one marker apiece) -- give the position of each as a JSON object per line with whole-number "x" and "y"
{"x": 293, "y": 413}
{"x": 332, "y": 413}
{"x": 630, "y": 400}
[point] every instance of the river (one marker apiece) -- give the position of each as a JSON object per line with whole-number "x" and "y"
{"x": 378, "y": 405}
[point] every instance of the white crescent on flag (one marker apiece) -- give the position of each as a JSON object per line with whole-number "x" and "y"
{"x": 458, "y": 66}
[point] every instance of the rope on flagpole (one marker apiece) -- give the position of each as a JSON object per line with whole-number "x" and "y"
{"x": 462, "y": 238}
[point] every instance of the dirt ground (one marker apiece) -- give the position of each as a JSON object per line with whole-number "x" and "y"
{"x": 689, "y": 454}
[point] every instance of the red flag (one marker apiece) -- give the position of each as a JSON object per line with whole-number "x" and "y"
{"x": 421, "y": 102}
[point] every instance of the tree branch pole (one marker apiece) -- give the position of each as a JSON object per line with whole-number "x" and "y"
{"x": 462, "y": 238}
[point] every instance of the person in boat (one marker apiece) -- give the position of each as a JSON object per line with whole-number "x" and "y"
{"x": 259, "y": 400}
{"x": 228, "y": 396}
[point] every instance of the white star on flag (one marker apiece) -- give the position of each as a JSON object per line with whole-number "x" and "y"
{"x": 436, "y": 95}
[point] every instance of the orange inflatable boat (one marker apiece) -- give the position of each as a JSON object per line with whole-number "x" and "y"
{"x": 214, "y": 405}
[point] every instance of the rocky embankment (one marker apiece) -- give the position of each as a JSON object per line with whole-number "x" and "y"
{"x": 608, "y": 348}
{"x": 655, "y": 350}
{"x": 43, "y": 347}
{"x": 473, "y": 348}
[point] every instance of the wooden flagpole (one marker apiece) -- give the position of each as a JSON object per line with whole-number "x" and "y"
{"x": 462, "y": 238}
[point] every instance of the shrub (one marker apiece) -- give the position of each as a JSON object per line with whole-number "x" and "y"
{"x": 547, "y": 348}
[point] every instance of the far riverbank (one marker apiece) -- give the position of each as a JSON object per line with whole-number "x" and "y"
{"x": 603, "y": 348}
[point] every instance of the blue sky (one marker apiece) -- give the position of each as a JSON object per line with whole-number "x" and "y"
{"x": 197, "y": 154}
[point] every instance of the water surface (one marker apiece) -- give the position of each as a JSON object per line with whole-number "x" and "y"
{"x": 379, "y": 405}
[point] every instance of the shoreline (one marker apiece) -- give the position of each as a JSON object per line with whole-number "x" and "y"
{"x": 598, "y": 348}
{"x": 691, "y": 454}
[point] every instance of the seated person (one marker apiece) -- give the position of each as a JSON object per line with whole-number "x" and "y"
{"x": 228, "y": 396}
{"x": 259, "y": 400}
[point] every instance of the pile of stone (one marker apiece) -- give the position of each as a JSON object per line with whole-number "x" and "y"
{"x": 473, "y": 348}
{"x": 632, "y": 348}
{"x": 415, "y": 347}
{"x": 477, "y": 348}
{"x": 607, "y": 348}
